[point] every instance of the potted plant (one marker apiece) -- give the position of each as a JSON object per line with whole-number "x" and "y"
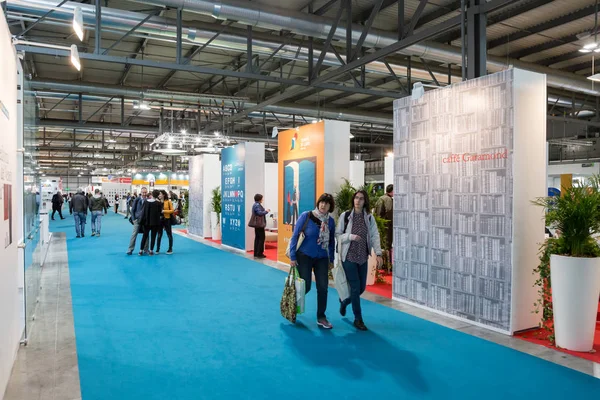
{"x": 215, "y": 215}
{"x": 574, "y": 261}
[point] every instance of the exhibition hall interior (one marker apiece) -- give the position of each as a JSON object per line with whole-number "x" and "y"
{"x": 260, "y": 199}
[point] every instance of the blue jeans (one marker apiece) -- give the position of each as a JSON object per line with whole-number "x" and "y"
{"x": 356, "y": 275}
{"x": 80, "y": 219}
{"x": 96, "y": 221}
{"x": 306, "y": 265}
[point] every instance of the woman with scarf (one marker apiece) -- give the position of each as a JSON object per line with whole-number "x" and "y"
{"x": 316, "y": 252}
{"x": 357, "y": 234}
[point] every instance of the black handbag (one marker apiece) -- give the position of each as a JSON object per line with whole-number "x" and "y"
{"x": 257, "y": 221}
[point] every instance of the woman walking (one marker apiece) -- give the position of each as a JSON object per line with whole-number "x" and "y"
{"x": 151, "y": 221}
{"x": 357, "y": 234}
{"x": 316, "y": 252}
{"x": 259, "y": 231}
{"x": 166, "y": 222}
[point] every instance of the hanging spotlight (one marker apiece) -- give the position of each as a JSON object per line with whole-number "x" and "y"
{"x": 78, "y": 23}
{"x": 75, "y": 58}
{"x": 590, "y": 46}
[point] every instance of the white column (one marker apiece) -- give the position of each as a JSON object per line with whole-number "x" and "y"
{"x": 255, "y": 183}
{"x": 205, "y": 175}
{"x": 357, "y": 173}
{"x": 271, "y": 191}
{"x": 388, "y": 177}
{"x": 337, "y": 155}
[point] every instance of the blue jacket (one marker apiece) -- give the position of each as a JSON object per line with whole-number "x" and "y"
{"x": 310, "y": 247}
{"x": 137, "y": 208}
{"x": 258, "y": 209}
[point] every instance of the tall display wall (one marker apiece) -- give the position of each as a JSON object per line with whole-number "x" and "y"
{"x": 205, "y": 175}
{"x": 10, "y": 220}
{"x": 305, "y": 172}
{"x": 469, "y": 158}
{"x": 242, "y": 176}
{"x": 110, "y": 189}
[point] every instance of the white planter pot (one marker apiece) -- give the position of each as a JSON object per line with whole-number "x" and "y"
{"x": 215, "y": 226}
{"x": 575, "y": 291}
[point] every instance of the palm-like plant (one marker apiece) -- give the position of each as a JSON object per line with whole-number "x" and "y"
{"x": 343, "y": 198}
{"x": 576, "y": 215}
{"x": 216, "y": 200}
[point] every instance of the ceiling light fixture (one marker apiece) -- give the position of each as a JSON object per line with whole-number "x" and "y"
{"x": 75, "y": 57}
{"x": 78, "y": 23}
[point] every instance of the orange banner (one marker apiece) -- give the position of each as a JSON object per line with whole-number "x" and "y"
{"x": 301, "y": 178}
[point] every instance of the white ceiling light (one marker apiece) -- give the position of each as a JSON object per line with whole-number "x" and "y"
{"x": 78, "y": 23}
{"x": 590, "y": 46}
{"x": 351, "y": 136}
{"x": 585, "y": 50}
{"x": 269, "y": 149}
{"x": 217, "y": 133}
{"x": 75, "y": 58}
{"x": 595, "y": 77}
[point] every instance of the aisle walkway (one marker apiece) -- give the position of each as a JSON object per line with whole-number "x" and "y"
{"x": 205, "y": 324}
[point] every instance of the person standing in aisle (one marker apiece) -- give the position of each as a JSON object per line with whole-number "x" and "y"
{"x": 385, "y": 209}
{"x": 151, "y": 221}
{"x": 128, "y": 201}
{"x": 70, "y": 200}
{"x": 166, "y": 222}
{"x": 316, "y": 252}
{"x": 96, "y": 207}
{"x": 357, "y": 234}
{"x": 137, "y": 210}
{"x": 259, "y": 232}
{"x": 106, "y": 203}
{"x": 79, "y": 205}
{"x": 116, "y": 203}
{"x": 57, "y": 204}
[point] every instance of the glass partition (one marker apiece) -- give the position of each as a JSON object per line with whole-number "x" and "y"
{"x": 31, "y": 201}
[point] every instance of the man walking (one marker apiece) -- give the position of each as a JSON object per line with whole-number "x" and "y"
{"x": 57, "y": 204}
{"x": 96, "y": 206}
{"x": 137, "y": 210}
{"x": 79, "y": 204}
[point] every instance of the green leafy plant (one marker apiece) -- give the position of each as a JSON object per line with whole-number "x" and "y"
{"x": 343, "y": 197}
{"x": 576, "y": 217}
{"x": 215, "y": 203}
{"x": 186, "y": 204}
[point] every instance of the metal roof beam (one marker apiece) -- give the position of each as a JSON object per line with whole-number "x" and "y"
{"x": 499, "y": 17}
{"x": 565, "y": 19}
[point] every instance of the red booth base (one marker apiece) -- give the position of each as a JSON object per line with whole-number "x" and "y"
{"x": 539, "y": 336}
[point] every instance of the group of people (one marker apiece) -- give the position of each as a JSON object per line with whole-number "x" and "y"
{"x": 151, "y": 214}
{"x": 80, "y": 204}
{"x": 356, "y": 233}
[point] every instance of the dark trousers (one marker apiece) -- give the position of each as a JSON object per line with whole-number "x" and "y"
{"x": 356, "y": 275}
{"x": 167, "y": 227}
{"x": 151, "y": 231}
{"x": 259, "y": 241}
{"x": 55, "y": 209}
{"x": 306, "y": 265}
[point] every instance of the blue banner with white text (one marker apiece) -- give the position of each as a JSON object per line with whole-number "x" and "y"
{"x": 233, "y": 184}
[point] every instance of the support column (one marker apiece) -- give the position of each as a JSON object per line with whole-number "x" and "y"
{"x": 476, "y": 40}
{"x": 98, "y": 41}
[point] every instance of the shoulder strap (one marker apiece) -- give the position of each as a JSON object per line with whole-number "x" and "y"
{"x": 346, "y": 219}
{"x": 305, "y": 221}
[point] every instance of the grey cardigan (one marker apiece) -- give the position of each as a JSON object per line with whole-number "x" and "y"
{"x": 343, "y": 239}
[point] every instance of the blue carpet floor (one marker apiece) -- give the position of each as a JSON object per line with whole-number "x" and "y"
{"x": 205, "y": 324}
